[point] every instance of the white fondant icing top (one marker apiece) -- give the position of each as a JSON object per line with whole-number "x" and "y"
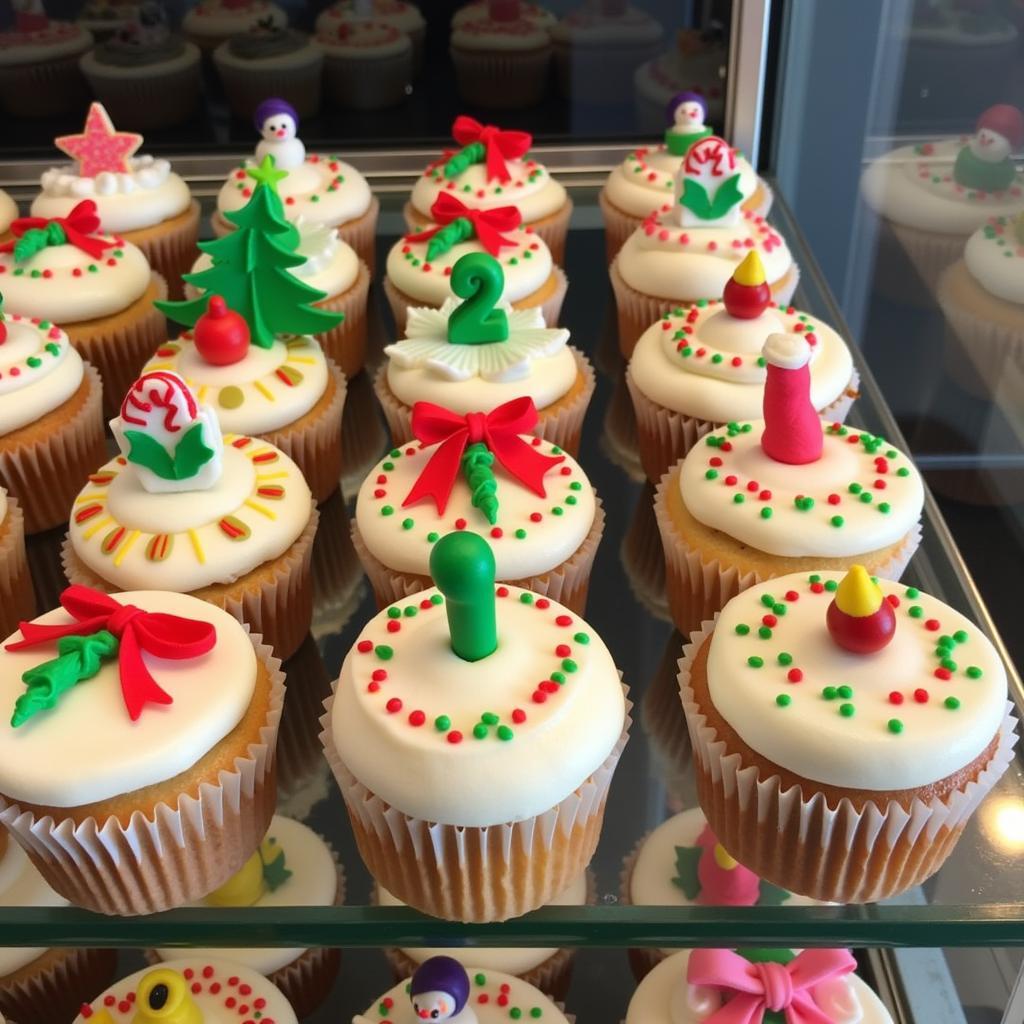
{"x": 477, "y": 9}
{"x": 402, "y": 15}
{"x": 190, "y": 539}
{"x": 57, "y": 39}
{"x": 88, "y": 749}
{"x": 944, "y": 723}
{"x": 488, "y": 34}
{"x": 705, "y": 363}
{"x": 549, "y": 736}
{"x": 149, "y": 195}
{"x": 39, "y": 370}
{"x": 364, "y": 40}
{"x": 21, "y": 885}
{"x": 860, "y": 496}
{"x": 528, "y": 537}
{"x": 993, "y": 256}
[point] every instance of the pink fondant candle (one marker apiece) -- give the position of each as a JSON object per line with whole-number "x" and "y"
{"x": 724, "y": 882}
{"x": 792, "y": 429}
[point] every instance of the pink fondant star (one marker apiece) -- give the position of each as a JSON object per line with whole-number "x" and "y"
{"x": 100, "y": 147}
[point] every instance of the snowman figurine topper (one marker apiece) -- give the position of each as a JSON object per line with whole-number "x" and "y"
{"x": 439, "y": 991}
{"x": 278, "y": 122}
{"x": 685, "y": 114}
{"x": 984, "y": 163}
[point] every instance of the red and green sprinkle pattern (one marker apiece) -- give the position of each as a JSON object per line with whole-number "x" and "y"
{"x": 524, "y": 174}
{"x": 53, "y": 343}
{"x": 937, "y": 171}
{"x": 415, "y": 253}
{"x": 760, "y": 235}
{"x": 110, "y": 258}
{"x": 490, "y": 998}
{"x": 330, "y": 168}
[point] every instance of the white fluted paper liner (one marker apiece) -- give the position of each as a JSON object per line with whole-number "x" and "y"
{"x": 697, "y": 588}
{"x": 561, "y": 423}
{"x": 837, "y": 854}
{"x": 54, "y": 985}
{"x": 179, "y": 853}
{"x": 665, "y": 436}
{"x": 567, "y": 583}
{"x": 642, "y": 960}
{"x": 476, "y": 874}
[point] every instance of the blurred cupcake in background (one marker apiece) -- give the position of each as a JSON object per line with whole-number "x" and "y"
{"x": 105, "y": 18}
{"x": 39, "y": 74}
{"x": 368, "y": 64}
{"x": 212, "y": 22}
{"x": 398, "y": 14}
{"x": 477, "y": 10}
{"x": 144, "y": 75}
{"x": 8, "y": 211}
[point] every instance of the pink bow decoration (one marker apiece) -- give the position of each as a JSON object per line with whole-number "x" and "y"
{"x": 157, "y": 633}
{"x": 80, "y": 223}
{"x": 500, "y": 145}
{"x": 758, "y": 988}
{"x": 498, "y": 429}
{"x": 487, "y": 224}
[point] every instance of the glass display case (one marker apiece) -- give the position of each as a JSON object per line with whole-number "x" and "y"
{"x": 818, "y": 97}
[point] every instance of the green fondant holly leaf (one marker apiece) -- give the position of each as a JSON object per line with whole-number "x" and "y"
{"x": 190, "y": 455}
{"x": 687, "y": 859}
{"x": 771, "y": 895}
{"x": 275, "y": 873}
{"x": 695, "y": 198}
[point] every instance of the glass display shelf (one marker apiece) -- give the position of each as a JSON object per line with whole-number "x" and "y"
{"x": 977, "y": 899}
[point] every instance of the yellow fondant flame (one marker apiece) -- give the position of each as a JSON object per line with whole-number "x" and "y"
{"x": 242, "y": 889}
{"x": 723, "y": 859}
{"x": 857, "y": 594}
{"x": 750, "y": 271}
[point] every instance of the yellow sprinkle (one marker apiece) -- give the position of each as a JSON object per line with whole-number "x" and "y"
{"x": 153, "y": 367}
{"x": 201, "y": 393}
{"x": 90, "y": 496}
{"x": 197, "y": 547}
{"x": 264, "y": 391}
{"x": 723, "y": 858}
{"x": 307, "y": 360}
{"x": 228, "y": 438}
{"x": 262, "y": 477}
{"x": 856, "y": 594}
{"x": 126, "y": 546}
{"x": 262, "y": 509}
{"x": 297, "y": 342}
{"x": 750, "y": 271}
{"x": 89, "y": 533}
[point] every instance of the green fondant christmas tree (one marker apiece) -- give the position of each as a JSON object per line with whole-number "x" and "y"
{"x": 252, "y": 271}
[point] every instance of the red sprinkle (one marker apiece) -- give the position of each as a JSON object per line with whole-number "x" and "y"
{"x": 563, "y": 620}
{"x": 895, "y": 697}
{"x": 394, "y": 705}
{"x": 792, "y": 595}
{"x": 417, "y": 718}
{"x": 921, "y": 696}
{"x": 364, "y": 646}
{"x": 502, "y": 591}
{"x": 542, "y": 603}
{"x": 795, "y": 675}
{"x": 394, "y": 625}
{"x": 932, "y": 625}
{"x": 518, "y": 716}
{"x": 943, "y": 673}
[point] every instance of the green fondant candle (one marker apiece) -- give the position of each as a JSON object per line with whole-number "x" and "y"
{"x": 462, "y": 565}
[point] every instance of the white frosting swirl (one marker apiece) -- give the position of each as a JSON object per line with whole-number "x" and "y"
{"x": 993, "y": 256}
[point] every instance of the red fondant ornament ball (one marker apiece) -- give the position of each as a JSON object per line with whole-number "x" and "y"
{"x": 221, "y": 334}
{"x": 859, "y": 618}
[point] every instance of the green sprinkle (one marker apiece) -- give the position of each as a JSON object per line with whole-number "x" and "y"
{"x": 711, "y": 474}
{"x": 555, "y": 450}
{"x": 952, "y": 703}
{"x": 829, "y": 693}
{"x": 515, "y": 1013}
{"x": 767, "y": 600}
{"x": 742, "y": 629}
{"x": 779, "y": 609}
{"x": 480, "y": 731}
{"x": 433, "y": 537}
{"x": 520, "y": 533}
{"x": 480, "y": 979}
{"x": 436, "y": 599}
{"x": 738, "y": 499}
{"x": 557, "y": 510}
{"x": 754, "y": 661}
{"x": 442, "y": 723}
{"x": 407, "y": 524}
{"x": 913, "y": 593}
{"x": 814, "y": 579}
{"x": 505, "y": 733}
{"x": 388, "y": 466}
{"x": 766, "y": 513}
{"x": 847, "y": 710}
{"x": 960, "y": 636}
{"x": 575, "y": 486}
{"x": 387, "y": 510}
{"x": 569, "y": 665}
{"x": 411, "y": 611}
{"x": 384, "y": 652}
{"x": 895, "y": 725}
{"x": 582, "y": 638}
{"x": 844, "y": 691}
{"x": 866, "y": 497}
{"x": 855, "y": 488}
{"x": 837, "y": 521}
{"x": 394, "y": 613}
{"x": 831, "y": 585}
{"x": 536, "y": 1012}
{"x": 558, "y": 677}
{"x": 783, "y": 700}
{"x": 973, "y": 672}
{"x": 884, "y": 507}
{"x": 915, "y": 611}
{"x": 764, "y": 632}
{"x": 489, "y": 718}
{"x": 570, "y": 500}
{"x": 785, "y": 658}
{"x": 526, "y": 597}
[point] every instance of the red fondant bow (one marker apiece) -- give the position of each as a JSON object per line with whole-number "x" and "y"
{"x": 498, "y": 429}
{"x": 77, "y": 226}
{"x": 487, "y": 224}
{"x": 757, "y": 988}
{"x": 157, "y": 633}
{"x": 499, "y": 145}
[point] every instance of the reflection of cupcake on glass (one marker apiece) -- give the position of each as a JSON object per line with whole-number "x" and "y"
{"x": 320, "y": 188}
{"x": 39, "y": 75}
{"x": 144, "y": 75}
{"x": 643, "y": 183}
{"x": 501, "y": 61}
{"x": 367, "y": 64}
{"x": 399, "y": 14}
{"x": 477, "y": 10}
{"x": 138, "y": 197}
{"x": 270, "y": 58}
{"x": 8, "y": 211}
{"x": 105, "y": 18}
{"x": 688, "y": 249}
{"x": 212, "y": 22}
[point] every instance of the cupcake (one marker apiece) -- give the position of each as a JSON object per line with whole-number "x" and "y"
{"x": 293, "y": 867}
{"x": 536, "y": 504}
{"x": 137, "y": 198}
{"x": 39, "y": 75}
{"x": 94, "y": 780}
{"x": 682, "y": 864}
{"x": 477, "y": 10}
{"x": 549, "y": 970}
{"x": 696, "y": 985}
{"x": 212, "y": 22}
{"x": 320, "y": 189}
{"x": 16, "y": 598}
{"x": 492, "y": 168}
{"x": 857, "y": 789}
{"x": 598, "y": 48}
{"x": 501, "y": 61}
{"x": 932, "y": 196}
{"x": 982, "y": 297}
{"x": 441, "y": 988}
{"x": 40, "y": 985}
{"x": 248, "y": 353}
{"x": 789, "y": 493}
{"x": 229, "y": 520}
{"x": 470, "y": 359}
{"x": 103, "y": 19}
{"x": 699, "y": 367}
{"x": 193, "y": 988}
{"x": 643, "y": 183}
{"x": 689, "y": 250}
{"x": 421, "y": 265}
{"x": 51, "y": 424}
{"x": 270, "y": 58}
{"x": 698, "y": 62}
{"x": 8, "y": 212}
{"x": 368, "y": 65}
{"x": 397, "y": 14}
{"x": 144, "y": 75}
{"x": 423, "y": 755}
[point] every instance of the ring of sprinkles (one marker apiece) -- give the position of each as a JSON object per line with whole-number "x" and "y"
{"x": 483, "y": 992}
{"x": 372, "y": 674}
{"x": 116, "y": 540}
{"x": 761, "y": 233}
{"x": 1002, "y": 233}
{"x": 330, "y": 170}
{"x": 937, "y": 174}
{"x": 533, "y": 172}
{"x": 637, "y": 164}
{"x": 415, "y": 253}
{"x": 782, "y": 667}
{"x": 111, "y": 259}
{"x": 53, "y": 345}
{"x": 390, "y": 504}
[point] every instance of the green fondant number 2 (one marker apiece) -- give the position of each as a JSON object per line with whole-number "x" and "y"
{"x": 479, "y": 280}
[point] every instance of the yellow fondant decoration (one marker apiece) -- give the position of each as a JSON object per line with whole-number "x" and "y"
{"x": 163, "y": 997}
{"x": 857, "y": 594}
{"x": 724, "y": 860}
{"x": 242, "y": 889}
{"x": 101, "y": 1016}
{"x": 750, "y": 271}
